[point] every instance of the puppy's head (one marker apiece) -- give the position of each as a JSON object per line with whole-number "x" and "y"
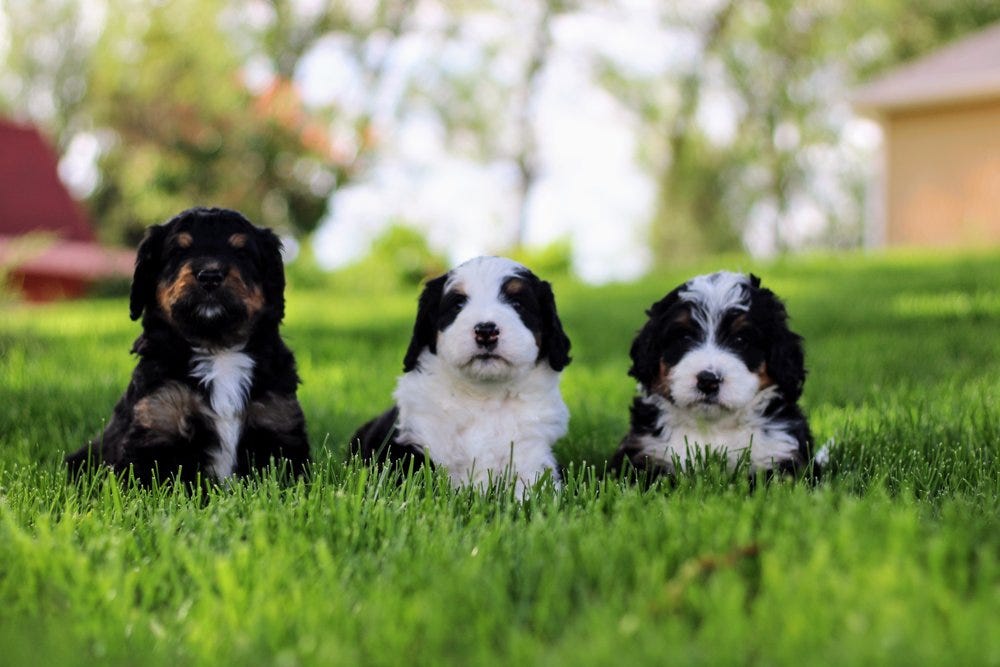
{"x": 715, "y": 342}
{"x": 491, "y": 320}
{"x": 211, "y": 275}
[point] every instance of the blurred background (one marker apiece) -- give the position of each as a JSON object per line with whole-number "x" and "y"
{"x": 606, "y": 137}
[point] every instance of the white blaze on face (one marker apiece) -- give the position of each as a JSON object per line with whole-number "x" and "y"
{"x": 711, "y": 297}
{"x": 516, "y": 352}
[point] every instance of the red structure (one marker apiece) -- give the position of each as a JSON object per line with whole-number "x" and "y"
{"x": 47, "y": 246}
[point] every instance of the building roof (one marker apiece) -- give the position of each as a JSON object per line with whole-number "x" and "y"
{"x": 80, "y": 260}
{"x": 965, "y": 71}
{"x": 32, "y": 198}
{"x": 44, "y": 235}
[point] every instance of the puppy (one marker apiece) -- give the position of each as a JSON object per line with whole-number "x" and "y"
{"x": 720, "y": 371}
{"x": 479, "y": 395}
{"x": 213, "y": 393}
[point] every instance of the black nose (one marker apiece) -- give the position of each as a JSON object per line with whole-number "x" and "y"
{"x": 487, "y": 334}
{"x": 708, "y": 383}
{"x": 209, "y": 278}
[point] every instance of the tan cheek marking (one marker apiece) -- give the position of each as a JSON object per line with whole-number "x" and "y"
{"x": 167, "y": 294}
{"x": 662, "y": 383}
{"x": 763, "y": 377}
{"x": 169, "y": 410}
{"x": 238, "y": 240}
{"x": 276, "y": 413}
{"x": 252, "y": 297}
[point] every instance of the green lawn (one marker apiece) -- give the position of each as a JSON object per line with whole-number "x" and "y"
{"x": 893, "y": 558}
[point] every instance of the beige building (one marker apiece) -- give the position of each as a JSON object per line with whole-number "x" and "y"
{"x": 941, "y": 120}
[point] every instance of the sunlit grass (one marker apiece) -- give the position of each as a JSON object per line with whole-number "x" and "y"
{"x": 894, "y": 557}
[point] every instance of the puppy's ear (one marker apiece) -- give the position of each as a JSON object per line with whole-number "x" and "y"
{"x": 147, "y": 269}
{"x": 273, "y": 271}
{"x": 555, "y": 343}
{"x": 425, "y": 327}
{"x": 754, "y": 281}
{"x": 785, "y": 358}
{"x": 646, "y": 349}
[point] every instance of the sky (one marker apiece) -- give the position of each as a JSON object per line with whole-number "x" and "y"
{"x": 592, "y": 188}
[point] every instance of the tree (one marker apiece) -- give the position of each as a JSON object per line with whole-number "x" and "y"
{"x": 184, "y": 129}
{"x": 787, "y": 68}
{"x": 43, "y": 68}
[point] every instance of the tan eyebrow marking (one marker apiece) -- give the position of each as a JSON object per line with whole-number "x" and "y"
{"x": 514, "y": 286}
{"x": 184, "y": 240}
{"x": 741, "y": 323}
{"x": 238, "y": 240}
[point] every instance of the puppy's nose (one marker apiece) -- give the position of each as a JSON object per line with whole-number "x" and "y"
{"x": 209, "y": 278}
{"x": 487, "y": 334}
{"x": 708, "y": 383}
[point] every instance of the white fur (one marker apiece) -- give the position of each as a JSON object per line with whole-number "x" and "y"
{"x": 739, "y": 385}
{"x": 484, "y": 420}
{"x": 483, "y": 431}
{"x": 480, "y": 280}
{"x": 712, "y": 296}
{"x": 684, "y": 433}
{"x": 227, "y": 374}
{"x": 715, "y": 294}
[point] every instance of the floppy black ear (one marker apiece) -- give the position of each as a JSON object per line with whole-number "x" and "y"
{"x": 646, "y": 349}
{"x": 273, "y": 271}
{"x": 785, "y": 358}
{"x": 425, "y": 327}
{"x": 555, "y": 343}
{"x": 147, "y": 268}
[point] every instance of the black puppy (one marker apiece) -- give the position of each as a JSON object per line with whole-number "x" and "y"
{"x": 214, "y": 390}
{"x": 720, "y": 371}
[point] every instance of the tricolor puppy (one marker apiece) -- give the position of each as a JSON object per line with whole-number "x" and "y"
{"x": 479, "y": 395}
{"x": 718, "y": 370}
{"x": 214, "y": 390}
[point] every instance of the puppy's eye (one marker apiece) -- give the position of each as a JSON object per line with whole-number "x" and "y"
{"x": 453, "y": 304}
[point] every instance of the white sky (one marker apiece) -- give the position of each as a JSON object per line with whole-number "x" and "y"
{"x": 590, "y": 188}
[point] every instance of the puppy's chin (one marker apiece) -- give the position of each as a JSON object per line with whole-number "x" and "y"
{"x": 708, "y": 410}
{"x": 488, "y": 369}
{"x": 218, "y": 320}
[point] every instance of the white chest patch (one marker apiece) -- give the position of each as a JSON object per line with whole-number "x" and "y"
{"x": 684, "y": 435}
{"x": 483, "y": 433}
{"x": 227, "y": 375}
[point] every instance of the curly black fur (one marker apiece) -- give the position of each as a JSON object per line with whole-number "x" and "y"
{"x": 204, "y": 281}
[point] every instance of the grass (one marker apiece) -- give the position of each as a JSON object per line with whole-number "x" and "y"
{"x": 894, "y": 558}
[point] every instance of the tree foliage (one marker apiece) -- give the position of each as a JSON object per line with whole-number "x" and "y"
{"x": 787, "y": 68}
{"x": 164, "y": 90}
{"x": 184, "y": 129}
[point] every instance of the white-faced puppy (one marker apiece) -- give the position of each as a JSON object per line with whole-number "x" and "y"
{"x": 214, "y": 392}
{"x": 479, "y": 395}
{"x": 718, "y": 370}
